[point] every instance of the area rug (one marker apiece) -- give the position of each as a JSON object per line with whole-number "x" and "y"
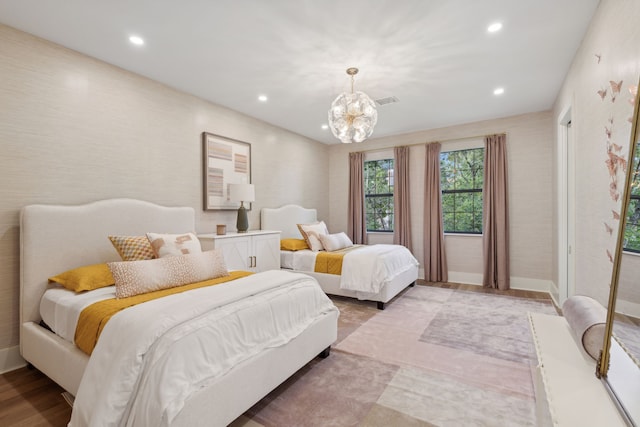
{"x": 434, "y": 357}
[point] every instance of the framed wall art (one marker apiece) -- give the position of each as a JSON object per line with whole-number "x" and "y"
{"x": 226, "y": 161}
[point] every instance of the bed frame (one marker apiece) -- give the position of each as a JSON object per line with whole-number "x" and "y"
{"x": 287, "y": 217}
{"x": 54, "y": 239}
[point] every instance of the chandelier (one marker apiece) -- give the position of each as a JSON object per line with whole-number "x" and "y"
{"x": 352, "y": 116}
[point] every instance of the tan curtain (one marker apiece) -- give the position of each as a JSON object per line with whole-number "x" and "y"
{"x": 495, "y": 212}
{"x": 435, "y": 260}
{"x": 401, "y": 198}
{"x": 356, "y": 227}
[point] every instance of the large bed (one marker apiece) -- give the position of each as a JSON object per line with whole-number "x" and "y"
{"x": 56, "y": 238}
{"x": 286, "y": 220}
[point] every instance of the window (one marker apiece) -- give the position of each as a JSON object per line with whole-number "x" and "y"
{"x": 631, "y": 242}
{"x": 632, "y": 230}
{"x": 378, "y": 195}
{"x": 461, "y": 178}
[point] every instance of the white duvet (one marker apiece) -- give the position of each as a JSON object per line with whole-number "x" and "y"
{"x": 150, "y": 358}
{"x": 365, "y": 269}
{"x": 368, "y": 268}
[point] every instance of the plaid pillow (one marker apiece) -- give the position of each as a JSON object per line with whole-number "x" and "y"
{"x": 133, "y": 248}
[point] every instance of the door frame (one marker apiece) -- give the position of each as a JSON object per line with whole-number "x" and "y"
{"x": 566, "y": 249}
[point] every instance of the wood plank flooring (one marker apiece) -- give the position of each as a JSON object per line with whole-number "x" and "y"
{"x": 29, "y": 398}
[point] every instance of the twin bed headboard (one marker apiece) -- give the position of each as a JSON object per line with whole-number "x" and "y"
{"x": 57, "y": 238}
{"x": 286, "y": 218}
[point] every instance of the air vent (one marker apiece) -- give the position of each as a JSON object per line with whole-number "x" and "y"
{"x": 387, "y": 100}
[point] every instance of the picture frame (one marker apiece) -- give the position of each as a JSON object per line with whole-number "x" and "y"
{"x": 225, "y": 161}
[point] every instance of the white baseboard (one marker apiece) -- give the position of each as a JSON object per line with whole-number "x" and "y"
{"x": 465, "y": 278}
{"x": 628, "y": 308}
{"x": 522, "y": 283}
{"x": 10, "y": 359}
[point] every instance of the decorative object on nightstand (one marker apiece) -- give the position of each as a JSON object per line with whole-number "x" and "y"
{"x": 221, "y": 229}
{"x": 242, "y": 193}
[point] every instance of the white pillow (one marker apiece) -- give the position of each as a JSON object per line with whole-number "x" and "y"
{"x": 174, "y": 244}
{"x": 311, "y": 234}
{"x": 139, "y": 277}
{"x": 335, "y": 242}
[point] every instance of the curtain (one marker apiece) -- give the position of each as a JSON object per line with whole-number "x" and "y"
{"x": 495, "y": 212}
{"x": 401, "y": 198}
{"x": 435, "y": 260}
{"x": 356, "y": 227}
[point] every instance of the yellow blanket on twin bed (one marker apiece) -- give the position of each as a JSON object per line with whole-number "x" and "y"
{"x": 331, "y": 262}
{"x": 94, "y": 317}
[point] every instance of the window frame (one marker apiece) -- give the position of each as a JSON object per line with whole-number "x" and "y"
{"x": 469, "y": 191}
{"x": 625, "y": 249}
{"x": 391, "y": 195}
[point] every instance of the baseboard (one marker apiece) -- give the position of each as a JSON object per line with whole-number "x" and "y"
{"x": 527, "y": 284}
{"x": 522, "y": 283}
{"x": 10, "y": 359}
{"x": 465, "y": 278}
{"x": 628, "y": 308}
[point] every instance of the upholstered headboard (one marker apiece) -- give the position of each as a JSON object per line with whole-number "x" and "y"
{"x": 286, "y": 218}
{"x": 56, "y": 238}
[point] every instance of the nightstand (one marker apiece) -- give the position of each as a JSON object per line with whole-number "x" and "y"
{"x": 255, "y": 250}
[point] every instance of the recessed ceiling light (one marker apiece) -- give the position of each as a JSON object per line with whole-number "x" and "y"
{"x": 495, "y": 27}
{"x": 262, "y": 98}
{"x": 498, "y": 91}
{"x": 325, "y": 127}
{"x": 138, "y": 41}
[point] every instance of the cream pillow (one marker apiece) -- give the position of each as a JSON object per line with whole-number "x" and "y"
{"x": 139, "y": 277}
{"x": 174, "y": 244}
{"x": 311, "y": 234}
{"x": 334, "y": 242}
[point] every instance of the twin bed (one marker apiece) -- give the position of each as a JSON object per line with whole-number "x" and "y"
{"x": 387, "y": 280}
{"x": 196, "y": 357}
{"x": 130, "y": 379}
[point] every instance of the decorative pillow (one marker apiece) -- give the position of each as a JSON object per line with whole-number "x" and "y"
{"x": 311, "y": 233}
{"x": 293, "y": 244}
{"x": 334, "y": 242}
{"x": 85, "y": 278}
{"x": 174, "y": 244}
{"x": 132, "y": 248}
{"x": 139, "y": 277}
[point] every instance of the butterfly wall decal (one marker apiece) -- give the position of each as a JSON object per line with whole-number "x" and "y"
{"x": 608, "y": 228}
{"x": 615, "y": 89}
{"x": 602, "y": 93}
{"x": 609, "y": 255}
{"x": 616, "y": 215}
{"x": 598, "y": 57}
{"x": 608, "y": 132}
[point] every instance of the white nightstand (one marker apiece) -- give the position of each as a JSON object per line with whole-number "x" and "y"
{"x": 255, "y": 250}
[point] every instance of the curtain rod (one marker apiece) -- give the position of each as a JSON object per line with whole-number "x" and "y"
{"x": 425, "y": 143}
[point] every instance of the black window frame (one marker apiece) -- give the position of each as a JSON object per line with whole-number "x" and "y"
{"x": 470, "y": 191}
{"x": 388, "y": 195}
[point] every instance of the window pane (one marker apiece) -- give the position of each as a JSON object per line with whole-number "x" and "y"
{"x": 632, "y": 230}
{"x": 462, "y": 174}
{"x": 379, "y": 182}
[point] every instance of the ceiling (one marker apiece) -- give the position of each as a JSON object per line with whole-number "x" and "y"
{"x": 435, "y": 56}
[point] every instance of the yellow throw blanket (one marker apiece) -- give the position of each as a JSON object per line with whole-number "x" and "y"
{"x": 331, "y": 262}
{"x": 94, "y": 317}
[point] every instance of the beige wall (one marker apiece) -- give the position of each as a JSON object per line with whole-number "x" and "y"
{"x": 529, "y": 151}
{"x": 74, "y": 130}
{"x": 610, "y": 51}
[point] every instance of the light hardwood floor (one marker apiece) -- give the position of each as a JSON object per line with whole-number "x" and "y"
{"x": 29, "y": 398}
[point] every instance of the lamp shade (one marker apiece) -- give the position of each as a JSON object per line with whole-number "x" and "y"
{"x": 242, "y": 193}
